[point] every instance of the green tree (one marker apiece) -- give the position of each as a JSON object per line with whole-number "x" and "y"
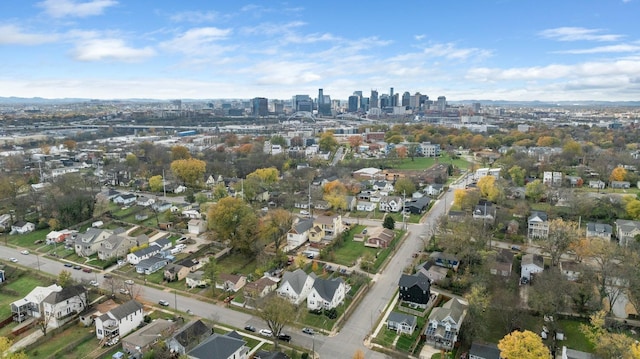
{"x": 210, "y": 274}
{"x": 608, "y": 344}
{"x": 156, "y": 184}
{"x": 278, "y": 312}
{"x": 562, "y": 237}
{"x": 64, "y": 278}
{"x": 233, "y": 220}
{"x": 327, "y": 142}
{"x": 522, "y": 345}
{"x": 179, "y": 152}
{"x": 190, "y": 171}
{"x": 131, "y": 160}
{"x": 535, "y": 190}
{"x": 404, "y": 186}
{"x": 220, "y": 192}
{"x": 517, "y": 175}
{"x": 275, "y": 226}
{"x": 389, "y": 222}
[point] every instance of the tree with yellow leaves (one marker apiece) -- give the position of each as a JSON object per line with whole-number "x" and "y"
{"x": 265, "y": 175}
{"x": 618, "y": 174}
{"x": 5, "y": 353}
{"x": 522, "y": 345}
{"x": 608, "y": 344}
{"x": 190, "y": 170}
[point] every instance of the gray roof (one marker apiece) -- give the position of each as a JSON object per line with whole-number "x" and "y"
{"x": 217, "y": 346}
{"x": 417, "y": 279}
{"x": 296, "y": 279}
{"x": 162, "y": 242}
{"x": 190, "y": 332}
{"x": 66, "y": 293}
{"x": 599, "y": 228}
{"x": 125, "y": 309}
{"x": 327, "y": 288}
{"x": 626, "y": 225}
{"x": 541, "y": 215}
{"x": 486, "y": 351}
{"x": 263, "y": 354}
{"x": 533, "y": 259}
{"x": 402, "y": 318}
{"x": 303, "y": 225}
{"x": 152, "y": 248}
{"x": 159, "y": 328}
{"x": 454, "y": 308}
{"x": 149, "y": 262}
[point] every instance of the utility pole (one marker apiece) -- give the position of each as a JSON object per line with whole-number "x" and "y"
{"x": 404, "y": 215}
{"x": 164, "y": 185}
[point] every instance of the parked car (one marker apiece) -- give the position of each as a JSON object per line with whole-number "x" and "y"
{"x": 163, "y": 303}
{"x": 266, "y": 332}
{"x": 284, "y": 337}
{"x": 87, "y": 270}
{"x": 304, "y": 213}
{"x": 14, "y": 260}
{"x": 94, "y": 283}
{"x": 68, "y": 265}
{"x": 128, "y": 281}
{"x": 77, "y": 267}
{"x": 515, "y": 248}
{"x": 107, "y": 276}
{"x": 123, "y": 291}
{"x": 308, "y": 331}
{"x": 25, "y": 252}
{"x": 250, "y": 328}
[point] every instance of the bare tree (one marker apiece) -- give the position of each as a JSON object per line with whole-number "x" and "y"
{"x": 277, "y": 313}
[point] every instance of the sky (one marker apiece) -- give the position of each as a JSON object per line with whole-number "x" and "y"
{"x": 518, "y": 50}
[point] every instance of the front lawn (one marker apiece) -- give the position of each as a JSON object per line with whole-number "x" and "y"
{"x": 27, "y": 240}
{"x": 237, "y": 263}
{"x": 19, "y": 283}
{"x": 66, "y": 344}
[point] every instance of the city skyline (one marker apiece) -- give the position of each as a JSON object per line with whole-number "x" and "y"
{"x": 501, "y": 50}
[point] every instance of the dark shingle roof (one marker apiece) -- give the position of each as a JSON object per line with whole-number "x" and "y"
{"x": 418, "y": 279}
{"x": 216, "y": 346}
{"x": 64, "y": 294}
{"x": 327, "y": 288}
{"x": 190, "y": 332}
{"x": 125, "y": 309}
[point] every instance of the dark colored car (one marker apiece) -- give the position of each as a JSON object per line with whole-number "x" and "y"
{"x": 68, "y": 265}
{"x": 107, "y": 276}
{"x": 284, "y": 337}
{"x": 77, "y": 267}
{"x": 87, "y": 270}
{"x": 250, "y": 328}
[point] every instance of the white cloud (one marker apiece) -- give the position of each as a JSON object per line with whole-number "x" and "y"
{"x": 13, "y": 35}
{"x": 419, "y": 37}
{"x": 196, "y": 16}
{"x": 199, "y": 41}
{"x": 603, "y": 49}
{"x": 285, "y": 73}
{"x": 73, "y": 8}
{"x": 451, "y": 52}
{"x": 577, "y": 34}
{"x": 110, "y": 50}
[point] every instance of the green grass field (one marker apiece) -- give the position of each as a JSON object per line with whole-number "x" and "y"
{"x": 27, "y": 240}
{"x": 421, "y": 163}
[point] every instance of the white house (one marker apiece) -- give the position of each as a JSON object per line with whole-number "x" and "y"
{"x": 296, "y": 285}
{"x": 599, "y": 230}
{"x": 402, "y": 323}
{"x": 552, "y": 178}
{"x": 58, "y": 236}
{"x": 125, "y": 199}
{"x": 538, "y": 226}
{"x": 120, "y": 321}
{"x": 61, "y": 306}
{"x": 365, "y": 206}
{"x": 531, "y": 264}
{"x": 391, "y": 204}
{"x": 196, "y": 226}
{"x": 444, "y": 324}
{"x": 326, "y": 294}
{"x": 196, "y": 279}
{"x": 30, "y": 305}
{"x": 143, "y": 253}
{"x": 299, "y": 233}
{"x": 22, "y": 227}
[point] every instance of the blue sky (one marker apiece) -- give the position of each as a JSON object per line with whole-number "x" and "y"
{"x": 551, "y": 50}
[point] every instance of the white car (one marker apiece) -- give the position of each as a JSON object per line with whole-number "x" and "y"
{"x": 266, "y": 332}
{"x": 14, "y": 260}
{"x": 304, "y": 213}
{"x": 25, "y": 252}
{"x": 94, "y": 283}
{"x": 128, "y": 281}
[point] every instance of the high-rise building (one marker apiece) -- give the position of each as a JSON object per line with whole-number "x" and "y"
{"x": 354, "y": 103}
{"x": 373, "y": 100}
{"x": 441, "y": 105}
{"x": 320, "y": 97}
{"x": 476, "y": 107}
{"x": 259, "y": 106}
{"x": 406, "y": 96}
{"x": 302, "y": 103}
{"x": 391, "y": 98}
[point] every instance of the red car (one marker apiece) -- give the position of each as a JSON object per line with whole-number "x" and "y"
{"x": 87, "y": 270}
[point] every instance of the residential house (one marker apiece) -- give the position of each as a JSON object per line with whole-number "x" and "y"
{"x": 553, "y": 179}
{"x": 196, "y": 279}
{"x": 5, "y": 220}
{"x": 365, "y": 206}
{"x": 575, "y": 181}
{"x": 161, "y": 206}
{"x": 597, "y": 184}
{"x": 196, "y": 226}
{"x": 402, "y": 323}
{"x": 432, "y": 271}
{"x": 434, "y": 189}
{"x": 142, "y": 340}
{"x": 446, "y": 260}
{"x": 125, "y": 199}
{"x": 151, "y": 265}
{"x": 321, "y": 205}
{"x": 296, "y": 285}
{"x": 54, "y": 237}
{"x": 485, "y": 212}
{"x": 299, "y": 233}
{"x": 326, "y": 294}
{"x": 415, "y": 290}
{"x": 120, "y": 321}
{"x": 417, "y": 206}
{"x": 626, "y": 230}
{"x": 351, "y": 202}
{"x": 382, "y": 186}
{"x": 503, "y": 263}
{"x": 22, "y": 227}
{"x": 391, "y": 204}
{"x": 571, "y": 270}
{"x": 143, "y": 253}
{"x": 620, "y": 184}
{"x": 175, "y": 272}
{"x": 115, "y": 246}
{"x": 531, "y": 264}
{"x": 145, "y": 201}
{"x": 61, "y": 306}
{"x": 484, "y": 351}
{"x": 568, "y": 353}
{"x": 230, "y": 282}
{"x": 444, "y": 324}
{"x": 88, "y": 243}
{"x": 30, "y": 305}
{"x": 191, "y": 214}
{"x": 192, "y": 264}
{"x": 330, "y": 226}
{"x": 599, "y": 230}
{"x": 229, "y": 346}
{"x": 538, "y": 226}
{"x": 186, "y": 338}
{"x": 379, "y": 237}
{"x": 164, "y": 243}
{"x": 260, "y": 288}
{"x": 263, "y": 354}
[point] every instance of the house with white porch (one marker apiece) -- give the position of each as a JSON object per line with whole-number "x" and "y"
{"x": 296, "y": 285}
{"x": 326, "y": 293}
{"x": 120, "y": 321}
